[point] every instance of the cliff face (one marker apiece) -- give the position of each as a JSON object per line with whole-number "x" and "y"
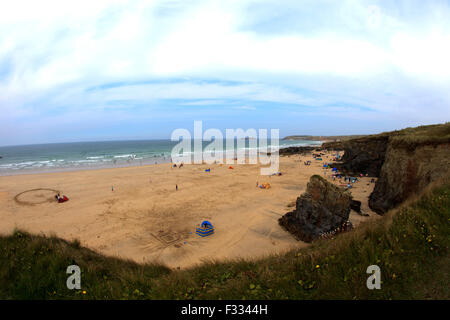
{"x": 296, "y": 150}
{"x": 321, "y": 210}
{"x": 408, "y": 170}
{"x": 363, "y": 155}
{"x": 405, "y": 161}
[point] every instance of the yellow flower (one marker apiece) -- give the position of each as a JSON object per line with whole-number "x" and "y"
{"x": 317, "y": 266}
{"x": 84, "y": 292}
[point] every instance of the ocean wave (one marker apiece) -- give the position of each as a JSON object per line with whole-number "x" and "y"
{"x": 125, "y": 156}
{"x": 120, "y": 157}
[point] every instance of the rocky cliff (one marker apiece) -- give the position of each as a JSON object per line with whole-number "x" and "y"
{"x": 323, "y": 209}
{"x": 297, "y": 150}
{"x": 363, "y": 155}
{"x": 407, "y": 170}
{"x": 405, "y": 161}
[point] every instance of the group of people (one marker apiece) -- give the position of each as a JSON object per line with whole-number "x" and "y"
{"x": 61, "y": 199}
{"x": 265, "y": 185}
{"x": 348, "y": 180}
{"x": 179, "y": 166}
{"x": 318, "y": 155}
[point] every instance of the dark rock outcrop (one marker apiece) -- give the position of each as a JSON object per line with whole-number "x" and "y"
{"x": 333, "y": 145}
{"x": 296, "y": 150}
{"x": 356, "y": 206}
{"x": 363, "y": 155}
{"x": 322, "y": 209}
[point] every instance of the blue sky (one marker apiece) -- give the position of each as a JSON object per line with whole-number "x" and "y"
{"x": 108, "y": 70}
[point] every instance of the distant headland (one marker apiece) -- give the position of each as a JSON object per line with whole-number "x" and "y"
{"x": 322, "y": 138}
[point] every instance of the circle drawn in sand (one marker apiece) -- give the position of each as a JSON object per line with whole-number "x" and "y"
{"x": 36, "y": 196}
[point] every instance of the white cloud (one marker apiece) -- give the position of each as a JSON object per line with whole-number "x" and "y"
{"x": 245, "y": 108}
{"x": 423, "y": 55}
{"x": 54, "y": 42}
{"x": 203, "y": 102}
{"x": 384, "y": 56}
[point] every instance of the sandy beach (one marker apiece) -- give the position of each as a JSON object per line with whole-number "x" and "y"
{"x": 144, "y": 218}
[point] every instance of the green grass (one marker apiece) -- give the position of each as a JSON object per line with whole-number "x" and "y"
{"x": 408, "y": 138}
{"x": 410, "y": 245}
{"x": 431, "y": 134}
{"x": 412, "y": 137}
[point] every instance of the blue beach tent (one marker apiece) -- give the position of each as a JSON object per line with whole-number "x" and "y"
{"x": 205, "y": 230}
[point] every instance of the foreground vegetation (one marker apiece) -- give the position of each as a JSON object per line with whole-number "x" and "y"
{"x": 410, "y": 245}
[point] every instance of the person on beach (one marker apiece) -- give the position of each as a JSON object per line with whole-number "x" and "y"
{"x": 176, "y": 187}
{"x": 112, "y": 188}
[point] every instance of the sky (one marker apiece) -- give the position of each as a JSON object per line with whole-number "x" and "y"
{"x": 113, "y": 70}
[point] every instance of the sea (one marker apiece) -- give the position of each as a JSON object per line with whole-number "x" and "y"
{"x": 26, "y": 159}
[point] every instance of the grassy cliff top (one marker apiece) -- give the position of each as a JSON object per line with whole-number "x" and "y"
{"x": 438, "y": 133}
{"x": 408, "y": 137}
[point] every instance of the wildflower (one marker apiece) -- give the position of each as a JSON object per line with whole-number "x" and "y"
{"x": 84, "y": 292}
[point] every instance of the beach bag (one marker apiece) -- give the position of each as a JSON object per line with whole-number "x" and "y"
{"x": 63, "y": 199}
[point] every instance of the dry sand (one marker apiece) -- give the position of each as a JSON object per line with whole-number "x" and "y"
{"x": 146, "y": 219}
